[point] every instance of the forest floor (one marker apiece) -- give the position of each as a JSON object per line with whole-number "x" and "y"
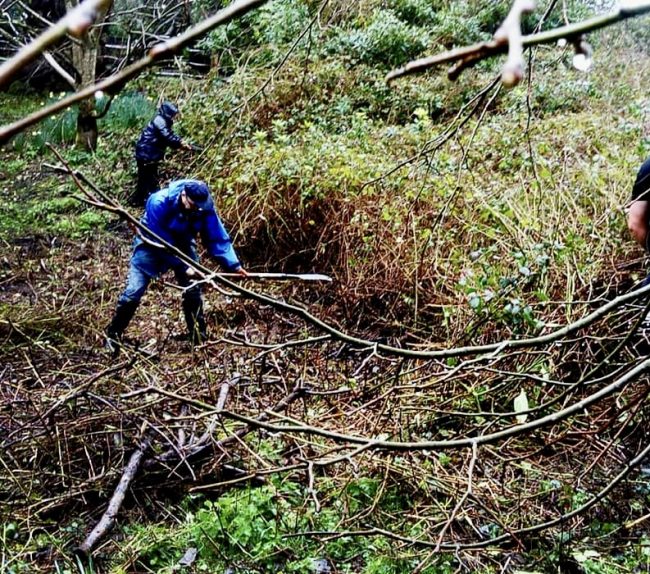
{"x": 468, "y": 395}
{"x": 72, "y": 415}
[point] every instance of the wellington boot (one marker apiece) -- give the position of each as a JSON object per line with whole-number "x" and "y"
{"x": 123, "y": 314}
{"x": 196, "y": 327}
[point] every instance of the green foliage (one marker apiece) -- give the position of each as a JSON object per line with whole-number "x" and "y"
{"x": 595, "y": 556}
{"x": 267, "y": 30}
{"x": 496, "y": 286}
{"x": 640, "y": 31}
{"x": 258, "y": 530}
{"x": 416, "y": 12}
{"x": 57, "y": 129}
{"x": 281, "y": 22}
{"x": 385, "y": 39}
{"x": 128, "y": 111}
{"x": 254, "y": 521}
{"x": 14, "y": 166}
{"x": 467, "y": 22}
{"x": 43, "y": 205}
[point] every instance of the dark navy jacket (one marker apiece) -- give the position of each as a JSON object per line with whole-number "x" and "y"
{"x": 158, "y": 135}
{"x": 165, "y": 217}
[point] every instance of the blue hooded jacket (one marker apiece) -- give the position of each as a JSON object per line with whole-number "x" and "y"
{"x": 158, "y": 135}
{"x": 164, "y": 215}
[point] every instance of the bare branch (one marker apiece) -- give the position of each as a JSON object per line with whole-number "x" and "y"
{"x": 108, "y": 518}
{"x": 470, "y": 55}
{"x": 49, "y": 58}
{"x": 386, "y": 445}
{"x": 116, "y": 82}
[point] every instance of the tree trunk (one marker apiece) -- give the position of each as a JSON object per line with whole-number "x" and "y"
{"x": 84, "y": 59}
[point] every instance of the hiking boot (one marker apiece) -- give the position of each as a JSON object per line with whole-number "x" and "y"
{"x": 112, "y": 346}
{"x": 122, "y": 317}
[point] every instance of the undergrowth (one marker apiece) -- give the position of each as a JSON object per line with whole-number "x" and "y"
{"x": 439, "y": 230}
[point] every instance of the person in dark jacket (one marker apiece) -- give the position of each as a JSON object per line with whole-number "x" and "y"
{"x": 150, "y": 148}
{"x": 177, "y": 214}
{"x": 638, "y": 217}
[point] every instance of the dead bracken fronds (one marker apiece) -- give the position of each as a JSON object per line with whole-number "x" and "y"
{"x": 445, "y": 430}
{"x": 384, "y": 397}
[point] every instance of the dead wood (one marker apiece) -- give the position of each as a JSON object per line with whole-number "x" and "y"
{"x": 177, "y": 455}
{"x": 108, "y": 518}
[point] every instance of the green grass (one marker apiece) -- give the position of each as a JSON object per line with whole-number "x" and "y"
{"x": 46, "y": 207}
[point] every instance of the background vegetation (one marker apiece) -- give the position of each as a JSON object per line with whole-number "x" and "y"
{"x": 448, "y": 214}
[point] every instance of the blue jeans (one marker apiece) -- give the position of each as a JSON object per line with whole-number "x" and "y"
{"x": 146, "y": 264}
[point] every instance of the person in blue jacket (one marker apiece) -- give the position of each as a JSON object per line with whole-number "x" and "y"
{"x": 150, "y": 148}
{"x": 177, "y": 214}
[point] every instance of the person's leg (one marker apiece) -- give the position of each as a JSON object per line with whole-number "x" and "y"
{"x": 127, "y": 304}
{"x": 192, "y": 308}
{"x": 136, "y": 199}
{"x": 147, "y": 182}
{"x": 153, "y": 184}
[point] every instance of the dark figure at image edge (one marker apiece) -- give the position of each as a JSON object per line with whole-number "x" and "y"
{"x": 150, "y": 148}
{"x": 177, "y": 214}
{"x": 638, "y": 218}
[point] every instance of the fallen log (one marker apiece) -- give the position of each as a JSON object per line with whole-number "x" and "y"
{"x": 138, "y": 460}
{"x": 108, "y": 518}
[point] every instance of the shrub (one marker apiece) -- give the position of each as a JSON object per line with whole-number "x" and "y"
{"x": 386, "y": 40}
{"x": 416, "y": 12}
{"x": 266, "y": 30}
{"x": 130, "y": 110}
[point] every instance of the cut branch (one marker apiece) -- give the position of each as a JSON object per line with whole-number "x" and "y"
{"x": 108, "y": 518}
{"x": 386, "y": 445}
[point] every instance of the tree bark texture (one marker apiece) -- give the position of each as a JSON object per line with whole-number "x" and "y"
{"x": 84, "y": 59}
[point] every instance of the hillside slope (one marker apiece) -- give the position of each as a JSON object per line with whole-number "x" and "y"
{"x": 427, "y": 413}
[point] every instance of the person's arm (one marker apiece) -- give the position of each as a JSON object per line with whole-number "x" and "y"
{"x": 167, "y": 135}
{"x": 637, "y": 221}
{"x": 216, "y": 240}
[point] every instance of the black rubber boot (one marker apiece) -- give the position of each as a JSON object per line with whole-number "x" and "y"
{"x": 121, "y": 319}
{"x": 147, "y": 183}
{"x": 193, "y": 311}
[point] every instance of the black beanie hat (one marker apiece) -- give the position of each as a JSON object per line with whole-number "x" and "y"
{"x": 198, "y": 192}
